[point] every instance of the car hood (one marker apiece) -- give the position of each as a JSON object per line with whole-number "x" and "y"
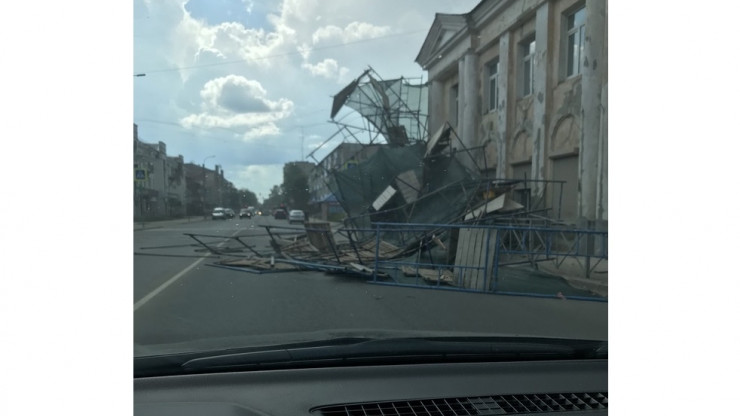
{"x": 225, "y": 343}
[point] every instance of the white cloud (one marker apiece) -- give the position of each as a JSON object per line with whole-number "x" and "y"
{"x": 235, "y": 101}
{"x": 264, "y": 130}
{"x": 258, "y": 178}
{"x": 352, "y": 32}
{"x": 305, "y": 50}
{"x": 230, "y": 40}
{"x": 328, "y": 68}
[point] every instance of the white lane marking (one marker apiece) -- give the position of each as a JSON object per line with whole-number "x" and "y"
{"x": 174, "y": 278}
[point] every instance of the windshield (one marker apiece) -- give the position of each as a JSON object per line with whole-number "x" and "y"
{"x": 410, "y": 169}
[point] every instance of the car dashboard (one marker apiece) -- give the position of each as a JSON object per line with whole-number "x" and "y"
{"x": 563, "y": 387}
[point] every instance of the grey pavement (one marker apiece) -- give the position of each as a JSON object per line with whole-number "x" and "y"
{"x": 570, "y": 269}
{"x": 149, "y": 225}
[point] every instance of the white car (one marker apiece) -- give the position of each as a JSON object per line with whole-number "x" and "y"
{"x": 296, "y": 215}
{"x": 218, "y": 214}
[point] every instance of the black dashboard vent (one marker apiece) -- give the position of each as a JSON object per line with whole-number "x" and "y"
{"x": 509, "y": 404}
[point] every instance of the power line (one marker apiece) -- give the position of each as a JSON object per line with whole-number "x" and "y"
{"x": 284, "y": 54}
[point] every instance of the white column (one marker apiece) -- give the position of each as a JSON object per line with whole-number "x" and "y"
{"x": 602, "y": 188}
{"x": 503, "y": 87}
{"x": 539, "y": 123}
{"x": 459, "y": 127}
{"x": 469, "y": 104}
{"x": 436, "y": 106}
{"x": 591, "y": 86}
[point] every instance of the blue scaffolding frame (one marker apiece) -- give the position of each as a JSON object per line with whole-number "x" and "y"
{"x": 513, "y": 245}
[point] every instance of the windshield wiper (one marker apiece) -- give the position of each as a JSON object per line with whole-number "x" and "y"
{"x": 369, "y": 351}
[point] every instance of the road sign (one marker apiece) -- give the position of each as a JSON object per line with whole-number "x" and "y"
{"x": 140, "y": 175}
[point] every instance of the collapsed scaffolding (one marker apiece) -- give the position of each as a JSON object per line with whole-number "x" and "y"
{"x": 418, "y": 206}
{"x": 411, "y": 177}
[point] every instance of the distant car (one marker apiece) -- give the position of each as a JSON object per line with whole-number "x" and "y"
{"x": 296, "y": 215}
{"x": 280, "y": 214}
{"x": 229, "y": 213}
{"x": 218, "y": 214}
{"x": 244, "y": 212}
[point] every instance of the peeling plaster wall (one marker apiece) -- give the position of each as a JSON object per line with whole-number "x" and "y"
{"x": 489, "y": 125}
{"x": 522, "y": 113}
{"x": 566, "y": 103}
{"x": 511, "y": 16}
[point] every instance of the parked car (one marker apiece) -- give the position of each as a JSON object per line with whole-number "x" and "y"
{"x": 244, "y": 212}
{"x": 218, "y": 214}
{"x": 280, "y": 214}
{"x": 296, "y": 215}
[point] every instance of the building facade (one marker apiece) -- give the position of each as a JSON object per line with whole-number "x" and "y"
{"x": 305, "y": 167}
{"x": 207, "y": 189}
{"x": 159, "y": 181}
{"x": 525, "y": 81}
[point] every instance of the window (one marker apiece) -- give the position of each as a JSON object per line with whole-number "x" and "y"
{"x": 493, "y": 68}
{"x": 527, "y": 49}
{"x": 576, "y": 26}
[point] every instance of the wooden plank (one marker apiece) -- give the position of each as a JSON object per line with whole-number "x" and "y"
{"x": 476, "y": 260}
{"x": 259, "y": 264}
{"x": 384, "y": 197}
{"x": 463, "y": 255}
{"x": 443, "y": 276}
{"x": 320, "y": 236}
{"x": 471, "y": 252}
{"x": 409, "y": 185}
{"x": 442, "y": 132}
{"x": 490, "y": 206}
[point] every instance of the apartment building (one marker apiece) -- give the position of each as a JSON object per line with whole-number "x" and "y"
{"x": 207, "y": 189}
{"x": 525, "y": 81}
{"x": 159, "y": 181}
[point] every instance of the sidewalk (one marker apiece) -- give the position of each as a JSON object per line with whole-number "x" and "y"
{"x": 150, "y": 225}
{"x": 573, "y": 271}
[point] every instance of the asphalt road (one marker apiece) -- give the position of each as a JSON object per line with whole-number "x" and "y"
{"x": 179, "y": 299}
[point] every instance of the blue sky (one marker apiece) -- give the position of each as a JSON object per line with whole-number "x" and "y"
{"x": 248, "y": 13}
{"x": 251, "y": 82}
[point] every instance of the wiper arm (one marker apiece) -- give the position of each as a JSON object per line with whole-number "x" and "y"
{"x": 403, "y": 350}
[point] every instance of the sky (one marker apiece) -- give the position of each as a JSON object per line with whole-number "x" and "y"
{"x": 251, "y": 83}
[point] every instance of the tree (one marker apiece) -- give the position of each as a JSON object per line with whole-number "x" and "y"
{"x": 274, "y": 199}
{"x": 295, "y": 187}
{"x": 247, "y": 198}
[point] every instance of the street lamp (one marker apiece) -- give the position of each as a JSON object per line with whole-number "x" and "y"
{"x": 203, "y": 195}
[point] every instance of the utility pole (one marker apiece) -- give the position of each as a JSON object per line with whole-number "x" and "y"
{"x": 203, "y": 194}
